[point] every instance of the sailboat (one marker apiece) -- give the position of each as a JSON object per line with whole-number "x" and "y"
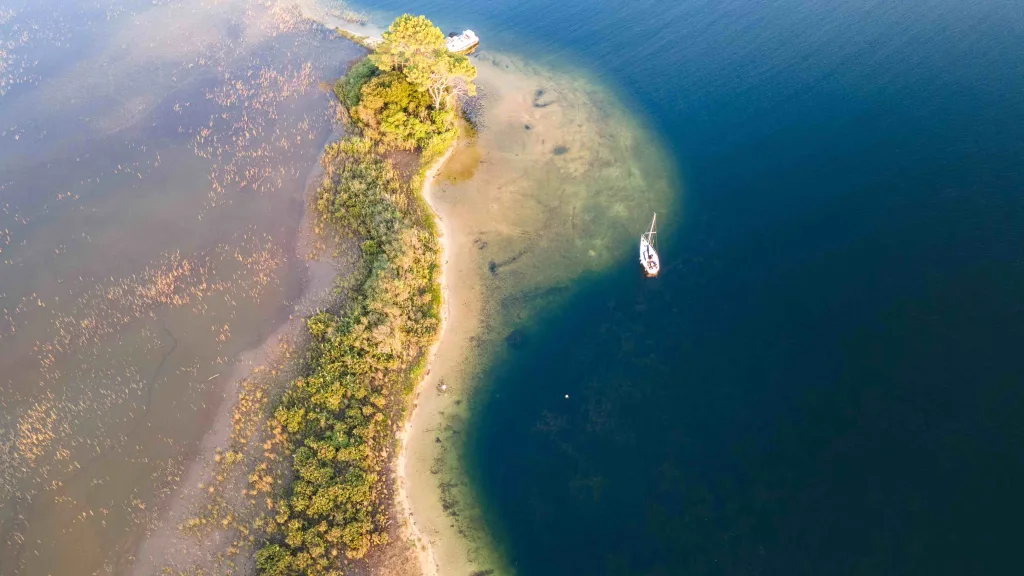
{"x": 649, "y": 250}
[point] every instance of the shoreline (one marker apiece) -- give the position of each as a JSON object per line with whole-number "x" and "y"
{"x": 424, "y": 550}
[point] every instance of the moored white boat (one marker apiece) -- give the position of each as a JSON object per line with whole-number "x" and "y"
{"x": 649, "y": 251}
{"x": 462, "y": 42}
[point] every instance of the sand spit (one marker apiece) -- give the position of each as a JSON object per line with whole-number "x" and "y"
{"x": 556, "y": 184}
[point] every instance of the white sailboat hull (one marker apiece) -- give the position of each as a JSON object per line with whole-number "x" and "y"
{"x": 649, "y": 257}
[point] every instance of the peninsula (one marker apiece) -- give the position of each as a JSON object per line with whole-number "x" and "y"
{"x": 337, "y": 423}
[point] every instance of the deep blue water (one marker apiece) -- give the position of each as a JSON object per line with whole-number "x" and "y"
{"x": 829, "y": 376}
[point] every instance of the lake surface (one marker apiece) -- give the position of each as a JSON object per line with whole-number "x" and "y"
{"x": 826, "y": 378}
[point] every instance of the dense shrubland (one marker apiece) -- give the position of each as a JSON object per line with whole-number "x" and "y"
{"x": 394, "y": 113}
{"x": 339, "y": 419}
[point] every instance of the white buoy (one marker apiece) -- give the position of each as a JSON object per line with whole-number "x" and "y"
{"x": 566, "y": 396}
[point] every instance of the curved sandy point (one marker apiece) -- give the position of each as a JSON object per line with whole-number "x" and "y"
{"x": 424, "y": 549}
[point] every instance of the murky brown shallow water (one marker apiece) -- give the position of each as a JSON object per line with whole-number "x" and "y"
{"x": 153, "y": 162}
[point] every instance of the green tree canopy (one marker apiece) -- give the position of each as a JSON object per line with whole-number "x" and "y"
{"x": 444, "y": 78}
{"x": 408, "y": 42}
{"x": 393, "y": 111}
{"x": 415, "y": 47}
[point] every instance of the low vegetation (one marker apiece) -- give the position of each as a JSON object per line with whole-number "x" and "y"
{"x": 339, "y": 419}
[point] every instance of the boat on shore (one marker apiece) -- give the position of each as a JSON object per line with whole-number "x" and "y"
{"x": 462, "y": 42}
{"x": 649, "y": 250}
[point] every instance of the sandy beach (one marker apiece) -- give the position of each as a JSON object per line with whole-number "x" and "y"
{"x": 424, "y": 551}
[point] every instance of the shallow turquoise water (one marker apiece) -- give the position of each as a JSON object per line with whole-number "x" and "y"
{"x": 827, "y": 378}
